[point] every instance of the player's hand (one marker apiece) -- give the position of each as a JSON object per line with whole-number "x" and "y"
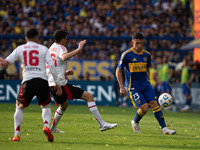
{"x": 58, "y": 89}
{"x": 69, "y": 72}
{"x": 123, "y": 92}
{"x": 81, "y": 44}
{"x": 3, "y": 64}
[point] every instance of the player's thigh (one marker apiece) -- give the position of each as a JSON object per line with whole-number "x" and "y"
{"x": 186, "y": 89}
{"x": 149, "y": 94}
{"x": 43, "y": 92}
{"x": 59, "y": 99}
{"x": 137, "y": 98}
{"x": 26, "y": 93}
{"x": 69, "y": 92}
{"x": 76, "y": 92}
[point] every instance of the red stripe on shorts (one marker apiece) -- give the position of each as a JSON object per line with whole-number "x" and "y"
{"x": 22, "y": 97}
{"x": 68, "y": 92}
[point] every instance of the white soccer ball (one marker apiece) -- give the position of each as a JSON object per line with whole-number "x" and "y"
{"x": 165, "y": 100}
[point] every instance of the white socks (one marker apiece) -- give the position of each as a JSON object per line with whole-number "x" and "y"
{"x": 57, "y": 117}
{"x": 93, "y": 109}
{"x": 46, "y": 116}
{"x": 18, "y": 118}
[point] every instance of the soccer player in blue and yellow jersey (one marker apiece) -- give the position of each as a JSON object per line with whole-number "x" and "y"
{"x": 137, "y": 61}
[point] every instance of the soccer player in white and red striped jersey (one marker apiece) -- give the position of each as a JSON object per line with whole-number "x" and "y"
{"x": 33, "y": 58}
{"x": 60, "y": 55}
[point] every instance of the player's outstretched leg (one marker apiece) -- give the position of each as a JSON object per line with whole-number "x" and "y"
{"x": 159, "y": 116}
{"x": 103, "y": 126}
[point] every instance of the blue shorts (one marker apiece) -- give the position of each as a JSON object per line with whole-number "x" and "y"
{"x": 186, "y": 89}
{"x": 138, "y": 97}
{"x": 166, "y": 87}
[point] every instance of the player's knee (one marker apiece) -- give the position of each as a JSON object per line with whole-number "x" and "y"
{"x": 153, "y": 104}
{"x": 64, "y": 106}
{"x": 87, "y": 96}
{"x": 46, "y": 106}
{"x": 90, "y": 97}
{"x": 19, "y": 105}
{"x": 144, "y": 108}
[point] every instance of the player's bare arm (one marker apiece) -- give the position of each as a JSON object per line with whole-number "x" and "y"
{"x": 67, "y": 56}
{"x": 192, "y": 76}
{"x": 69, "y": 72}
{"x": 4, "y": 63}
{"x": 120, "y": 81}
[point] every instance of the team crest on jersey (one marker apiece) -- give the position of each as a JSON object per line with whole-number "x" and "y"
{"x": 138, "y": 101}
{"x": 145, "y": 58}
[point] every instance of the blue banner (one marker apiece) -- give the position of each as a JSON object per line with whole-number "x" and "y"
{"x": 101, "y": 90}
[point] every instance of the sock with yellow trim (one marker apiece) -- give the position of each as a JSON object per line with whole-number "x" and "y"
{"x": 159, "y": 116}
{"x": 138, "y": 116}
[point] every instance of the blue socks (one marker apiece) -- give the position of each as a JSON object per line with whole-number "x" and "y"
{"x": 138, "y": 116}
{"x": 159, "y": 116}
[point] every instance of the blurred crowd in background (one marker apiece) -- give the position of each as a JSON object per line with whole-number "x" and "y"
{"x": 99, "y": 18}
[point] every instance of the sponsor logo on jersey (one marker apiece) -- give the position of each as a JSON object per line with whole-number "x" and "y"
{"x": 138, "y": 67}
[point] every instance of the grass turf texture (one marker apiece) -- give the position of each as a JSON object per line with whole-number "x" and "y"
{"x": 82, "y": 131}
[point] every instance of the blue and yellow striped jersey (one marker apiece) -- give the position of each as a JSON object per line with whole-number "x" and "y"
{"x": 136, "y": 68}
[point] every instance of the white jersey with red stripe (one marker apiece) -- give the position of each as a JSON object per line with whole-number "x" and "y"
{"x": 33, "y": 58}
{"x": 56, "y": 50}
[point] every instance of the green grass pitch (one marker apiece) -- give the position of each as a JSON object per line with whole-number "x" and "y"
{"x": 82, "y": 131}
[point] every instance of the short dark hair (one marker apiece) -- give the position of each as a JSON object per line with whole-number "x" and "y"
{"x": 59, "y": 35}
{"x": 137, "y": 35}
{"x": 32, "y": 33}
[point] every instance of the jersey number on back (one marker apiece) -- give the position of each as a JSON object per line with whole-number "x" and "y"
{"x": 54, "y": 60}
{"x": 33, "y": 59}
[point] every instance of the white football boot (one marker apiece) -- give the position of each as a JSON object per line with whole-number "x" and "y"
{"x": 107, "y": 126}
{"x": 135, "y": 126}
{"x": 168, "y": 131}
{"x": 56, "y": 130}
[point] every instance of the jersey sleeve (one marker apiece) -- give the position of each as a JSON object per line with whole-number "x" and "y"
{"x": 149, "y": 62}
{"x": 52, "y": 68}
{"x": 13, "y": 56}
{"x": 62, "y": 51}
{"x": 122, "y": 61}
